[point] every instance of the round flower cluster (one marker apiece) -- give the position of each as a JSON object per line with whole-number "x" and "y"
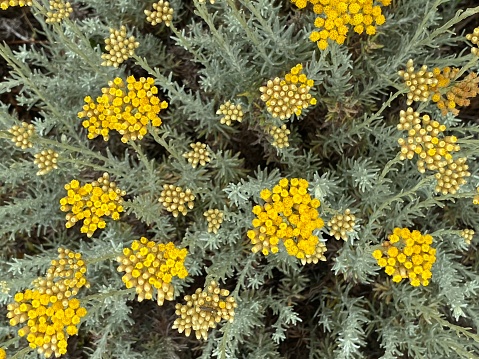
{"x": 468, "y": 235}
{"x": 289, "y": 215}
{"x": 50, "y": 311}
{"x": 64, "y": 277}
{"x": 21, "y": 135}
{"x": 317, "y": 256}
{"x": 474, "y": 38}
{"x": 46, "y": 161}
{"x": 199, "y": 154}
{"x": 127, "y": 110}
{"x": 336, "y": 17}
{"x": 91, "y": 202}
{"x": 280, "y": 136}
{"x": 4, "y": 289}
{"x": 119, "y": 47}
{"x": 455, "y": 95}
{"x": 4, "y": 5}
{"x": 3, "y": 353}
{"x": 419, "y": 82}
{"x": 341, "y": 224}
{"x": 434, "y": 151}
{"x": 230, "y": 112}
{"x": 150, "y": 265}
{"x": 214, "y": 217}
{"x": 203, "y": 310}
{"x": 289, "y": 95}
{"x": 59, "y": 10}
{"x": 162, "y": 12}
{"x": 407, "y": 255}
{"x": 175, "y": 200}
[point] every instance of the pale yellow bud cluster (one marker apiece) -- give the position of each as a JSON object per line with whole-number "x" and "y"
{"x": 476, "y": 197}
{"x": 119, "y": 47}
{"x": 198, "y": 155}
{"x": 203, "y": 310}
{"x": 452, "y": 176}
{"x": 474, "y": 38}
{"x": 289, "y": 95}
{"x": 230, "y": 112}
{"x": 149, "y": 265}
{"x": 4, "y": 289}
{"x": 21, "y": 135}
{"x": 419, "y": 82}
{"x": 58, "y": 11}
{"x": 468, "y": 235}
{"x": 162, "y": 12}
{"x": 280, "y": 136}
{"x": 4, "y": 5}
{"x": 341, "y": 224}
{"x": 317, "y": 256}
{"x": 46, "y": 161}
{"x": 175, "y": 200}
{"x": 214, "y": 217}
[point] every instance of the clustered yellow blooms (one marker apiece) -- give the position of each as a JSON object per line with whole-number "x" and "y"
{"x": 341, "y": 224}
{"x": 419, "y": 82}
{"x": 3, "y": 353}
{"x": 125, "y": 109}
{"x": 46, "y": 161}
{"x": 58, "y": 11}
{"x": 336, "y": 17}
{"x": 288, "y": 215}
{"x": 279, "y": 135}
{"x": 91, "y": 203}
{"x": 407, "y": 255}
{"x": 119, "y": 47}
{"x": 425, "y": 139}
{"x": 175, "y": 200}
{"x": 22, "y": 134}
{"x": 50, "y": 311}
{"x": 162, "y": 12}
{"x": 204, "y": 310}
{"x": 214, "y": 217}
{"x": 4, "y": 5}
{"x": 198, "y": 155}
{"x": 474, "y": 38}
{"x": 150, "y": 265}
{"x": 457, "y": 94}
{"x": 230, "y": 112}
{"x": 289, "y": 95}
{"x": 468, "y": 235}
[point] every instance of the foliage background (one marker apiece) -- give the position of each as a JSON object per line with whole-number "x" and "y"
{"x": 345, "y": 146}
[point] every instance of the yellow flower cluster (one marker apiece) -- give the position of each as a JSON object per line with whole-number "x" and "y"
{"x": 419, "y": 82}
{"x": 279, "y": 135}
{"x": 150, "y": 265}
{"x": 434, "y": 151}
{"x": 289, "y": 215}
{"x": 198, "y": 155}
{"x": 91, "y": 202}
{"x": 474, "y": 38}
{"x": 203, "y": 310}
{"x": 336, "y": 17}
{"x": 289, "y": 95}
{"x": 175, "y": 200}
{"x": 49, "y": 310}
{"x": 230, "y": 112}
{"x": 214, "y": 217}
{"x": 4, "y": 5}
{"x": 162, "y": 12}
{"x": 3, "y": 353}
{"x": 468, "y": 235}
{"x": 127, "y": 110}
{"x": 457, "y": 94}
{"x": 407, "y": 255}
{"x": 341, "y": 224}
{"x": 46, "y": 161}
{"x": 119, "y": 48}
{"x": 58, "y": 11}
{"x": 22, "y": 134}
